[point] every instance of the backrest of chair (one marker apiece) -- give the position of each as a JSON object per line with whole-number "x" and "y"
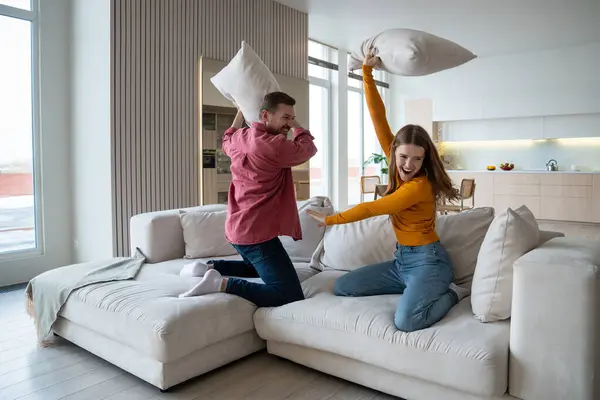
{"x": 369, "y": 183}
{"x": 467, "y": 188}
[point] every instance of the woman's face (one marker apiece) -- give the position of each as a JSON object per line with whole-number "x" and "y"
{"x": 409, "y": 160}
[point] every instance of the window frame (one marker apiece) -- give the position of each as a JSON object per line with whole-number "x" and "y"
{"x": 32, "y": 16}
{"x": 325, "y": 178}
{"x": 328, "y": 139}
{"x": 383, "y": 88}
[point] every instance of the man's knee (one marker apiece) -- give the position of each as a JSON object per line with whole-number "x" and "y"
{"x": 289, "y": 296}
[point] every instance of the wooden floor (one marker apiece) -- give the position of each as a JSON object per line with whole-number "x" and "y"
{"x": 67, "y": 372}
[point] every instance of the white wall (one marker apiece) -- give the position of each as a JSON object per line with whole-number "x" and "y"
{"x": 554, "y": 82}
{"x": 90, "y": 130}
{"x": 54, "y": 146}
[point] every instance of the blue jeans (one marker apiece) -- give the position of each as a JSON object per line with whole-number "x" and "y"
{"x": 422, "y": 274}
{"x": 268, "y": 261}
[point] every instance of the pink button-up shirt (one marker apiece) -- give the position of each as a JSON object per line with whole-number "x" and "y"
{"x": 262, "y": 201}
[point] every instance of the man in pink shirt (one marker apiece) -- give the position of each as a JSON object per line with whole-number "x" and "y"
{"x": 262, "y": 207}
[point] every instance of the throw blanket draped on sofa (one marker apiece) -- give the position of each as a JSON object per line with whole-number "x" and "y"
{"x": 48, "y": 292}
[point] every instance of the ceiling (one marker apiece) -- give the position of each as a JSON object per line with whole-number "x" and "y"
{"x": 485, "y": 27}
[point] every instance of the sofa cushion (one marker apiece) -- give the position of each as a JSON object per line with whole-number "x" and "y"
{"x": 347, "y": 247}
{"x": 312, "y": 234}
{"x": 245, "y": 81}
{"x": 159, "y": 235}
{"x": 457, "y": 352}
{"x": 147, "y": 315}
{"x": 204, "y": 234}
{"x": 512, "y": 234}
{"x": 411, "y": 52}
{"x": 462, "y": 235}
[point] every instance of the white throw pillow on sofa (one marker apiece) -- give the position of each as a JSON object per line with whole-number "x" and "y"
{"x": 312, "y": 234}
{"x": 409, "y": 52}
{"x": 512, "y": 234}
{"x": 347, "y": 247}
{"x": 462, "y": 235}
{"x": 204, "y": 234}
{"x": 245, "y": 81}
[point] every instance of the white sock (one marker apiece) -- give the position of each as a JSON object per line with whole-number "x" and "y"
{"x": 211, "y": 283}
{"x": 195, "y": 268}
{"x": 461, "y": 292}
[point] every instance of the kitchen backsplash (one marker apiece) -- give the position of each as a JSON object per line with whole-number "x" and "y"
{"x": 526, "y": 154}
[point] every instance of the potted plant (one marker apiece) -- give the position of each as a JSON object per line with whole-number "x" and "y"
{"x": 381, "y": 160}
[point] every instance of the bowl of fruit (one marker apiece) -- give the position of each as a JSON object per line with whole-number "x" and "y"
{"x": 491, "y": 167}
{"x": 507, "y": 166}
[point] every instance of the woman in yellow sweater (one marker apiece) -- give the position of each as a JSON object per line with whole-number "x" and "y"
{"x": 421, "y": 269}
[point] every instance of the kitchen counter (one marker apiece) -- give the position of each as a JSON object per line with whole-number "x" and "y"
{"x": 524, "y": 171}
{"x": 570, "y": 196}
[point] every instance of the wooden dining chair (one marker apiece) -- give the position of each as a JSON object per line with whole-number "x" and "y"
{"x": 467, "y": 191}
{"x": 368, "y": 184}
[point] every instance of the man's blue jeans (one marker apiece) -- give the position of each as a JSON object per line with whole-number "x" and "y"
{"x": 268, "y": 261}
{"x": 422, "y": 274}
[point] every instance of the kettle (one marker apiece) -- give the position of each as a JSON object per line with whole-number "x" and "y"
{"x": 552, "y": 165}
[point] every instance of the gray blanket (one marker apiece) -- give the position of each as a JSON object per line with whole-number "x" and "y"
{"x": 48, "y": 292}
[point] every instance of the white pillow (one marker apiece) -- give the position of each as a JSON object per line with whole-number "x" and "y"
{"x": 512, "y": 234}
{"x": 347, "y": 247}
{"x": 204, "y": 234}
{"x": 302, "y": 250}
{"x": 461, "y": 235}
{"x": 410, "y": 52}
{"x": 245, "y": 81}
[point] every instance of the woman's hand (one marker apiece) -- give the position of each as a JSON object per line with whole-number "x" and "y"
{"x": 320, "y": 217}
{"x": 371, "y": 60}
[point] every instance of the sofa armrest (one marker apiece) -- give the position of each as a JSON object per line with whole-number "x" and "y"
{"x": 547, "y": 235}
{"x": 159, "y": 234}
{"x": 554, "y": 332}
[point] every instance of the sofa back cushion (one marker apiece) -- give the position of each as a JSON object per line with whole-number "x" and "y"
{"x": 462, "y": 235}
{"x": 312, "y": 234}
{"x": 159, "y": 235}
{"x": 513, "y": 233}
{"x": 347, "y": 247}
{"x": 350, "y": 246}
{"x": 204, "y": 234}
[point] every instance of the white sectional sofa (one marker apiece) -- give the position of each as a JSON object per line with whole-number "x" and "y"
{"x": 548, "y": 348}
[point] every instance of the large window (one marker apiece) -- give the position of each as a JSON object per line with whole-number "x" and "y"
{"x": 362, "y": 140}
{"x": 320, "y": 117}
{"x": 18, "y": 228}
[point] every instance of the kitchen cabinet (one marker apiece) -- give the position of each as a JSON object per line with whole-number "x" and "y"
{"x": 491, "y": 130}
{"x": 596, "y": 198}
{"x": 561, "y": 126}
{"x": 555, "y": 196}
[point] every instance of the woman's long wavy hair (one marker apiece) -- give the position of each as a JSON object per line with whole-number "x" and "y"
{"x": 432, "y": 165}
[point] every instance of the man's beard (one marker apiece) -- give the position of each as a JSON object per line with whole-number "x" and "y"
{"x": 281, "y": 131}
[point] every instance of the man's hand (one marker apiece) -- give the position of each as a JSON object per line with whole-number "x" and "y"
{"x": 371, "y": 60}
{"x": 238, "y": 120}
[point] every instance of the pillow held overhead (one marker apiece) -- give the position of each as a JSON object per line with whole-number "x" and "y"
{"x": 409, "y": 52}
{"x": 245, "y": 81}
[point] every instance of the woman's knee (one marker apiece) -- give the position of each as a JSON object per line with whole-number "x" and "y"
{"x": 343, "y": 286}
{"x": 407, "y": 321}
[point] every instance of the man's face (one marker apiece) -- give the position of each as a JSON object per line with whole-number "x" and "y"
{"x": 278, "y": 123}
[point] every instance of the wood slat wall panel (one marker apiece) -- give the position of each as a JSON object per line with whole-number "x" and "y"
{"x": 156, "y": 45}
